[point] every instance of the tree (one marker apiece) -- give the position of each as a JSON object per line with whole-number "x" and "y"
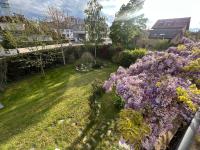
{"x": 36, "y": 58}
{"x": 9, "y": 41}
{"x": 127, "y": 23}
{"x": 96, "y": 26}
{"x": 58, "y": 20}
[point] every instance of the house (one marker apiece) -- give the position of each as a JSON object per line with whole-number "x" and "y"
{"x": 12, "y": 26}
{"x": 170, "y": 29}
{"x": 73, "y": 29}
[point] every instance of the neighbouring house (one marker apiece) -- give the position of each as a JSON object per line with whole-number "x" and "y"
{"x": 73, "y": 29}
{"x": 12, "y": 26}
{"x": 170, "y": 29}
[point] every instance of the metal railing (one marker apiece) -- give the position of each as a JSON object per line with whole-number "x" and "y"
{"x": 190, "y": 133}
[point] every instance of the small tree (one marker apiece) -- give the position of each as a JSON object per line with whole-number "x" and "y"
{"x": 9, "y": 41}
{"x": 33, "y": 30}
{"x": 96, "y": 26}
{"x": 58, "y": 20}
{"x": 127, "y": 23}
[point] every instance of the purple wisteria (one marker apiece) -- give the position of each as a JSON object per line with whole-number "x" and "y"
{"x": 150, "y": 86}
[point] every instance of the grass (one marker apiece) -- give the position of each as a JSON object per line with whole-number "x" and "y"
{"x": 53, "y": 112}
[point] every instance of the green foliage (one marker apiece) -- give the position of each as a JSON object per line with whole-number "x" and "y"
{"x": 181, "y": 47}
{"x": 95, "y": 23}
{"x": 97, "y": 89}
{"x": 132, "y": 127}
{"x": 127, "y": 57}
{"x": 97, "y": 92}
{"x": 184, "y": 97}
{"x": 87, "y": 58}
{"x": 71, "y": 58}
{"x": 85, "y": 63}
{"x": 99, "y": 64}
{"x": 194, "y": 66}
{"x": 119, "y": 102}
{"x": 162, "y": 45}
{"x": 9, "y": 41}
{"x": 127, "y": 24}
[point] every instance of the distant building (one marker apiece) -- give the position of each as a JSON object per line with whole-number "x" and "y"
{"x": 74, "y": 29}
{"x": 171, "y": 29}
{"x": 5, "y": 8}
{"x": 12, "y": 26}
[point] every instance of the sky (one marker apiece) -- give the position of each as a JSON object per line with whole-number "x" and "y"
{"x": 153, "y": 9}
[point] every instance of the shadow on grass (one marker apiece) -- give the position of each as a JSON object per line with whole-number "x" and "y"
{"x": 98, "y": 127}
{"x": 26, "y": 102}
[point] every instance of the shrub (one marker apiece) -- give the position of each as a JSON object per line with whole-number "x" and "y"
{"x": 97, "y": 92}
{"x": 162, "y": 45}
{"x": 127, "y": 57}
{"x": 115, "y": 58}
{"x": 9, "y": 41}
{"x": 99, "y": 64}
{"x": 85, "y": 63}
{"x": 87, "y": 58}
{"x": 97, "y": 89}
{"x": 161, "y": 86}
{"x": 71, "y": 58}
{"x": 119, "y": 102}
{"x": 132, "y": 127}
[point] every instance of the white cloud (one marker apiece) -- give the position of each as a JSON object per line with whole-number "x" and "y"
{"x": 153, "y": 9}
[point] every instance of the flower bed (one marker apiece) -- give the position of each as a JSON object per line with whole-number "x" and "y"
{"x": 162, "y": 86}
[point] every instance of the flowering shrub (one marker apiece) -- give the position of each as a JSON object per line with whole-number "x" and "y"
{"x": 161, "y": 87}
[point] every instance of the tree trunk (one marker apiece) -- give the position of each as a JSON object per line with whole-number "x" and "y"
{"x": 95, "y": 54}
{"x": 41, "y": 66}
{"x": 63, "y": 55}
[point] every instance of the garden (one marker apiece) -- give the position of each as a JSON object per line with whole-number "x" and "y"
{"x": 84, "y": 105}
{"x": 121, "y": 96}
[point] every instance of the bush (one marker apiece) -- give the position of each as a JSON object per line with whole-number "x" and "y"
{"x": 99, "y": 64}
{"x": 132, "y": 127}
{"x": 9, "y": 41}
{"x": 162, "y": 45}
{"x": 71, "y": 58}
{"x": 87, "y": 58}
{"x": 119, "y": 102}
{"x": 97, "y": 89}
{"x": 107, "y": 51}
{"x": 127, "y": 57}
{"x": 162, "y": 87}
{"x": 85, "y": 63}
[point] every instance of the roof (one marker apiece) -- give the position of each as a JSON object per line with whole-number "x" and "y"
{"x": 165, "y": 33}
{"x": 169, "y": 28}
{"x": 176, "y": 23}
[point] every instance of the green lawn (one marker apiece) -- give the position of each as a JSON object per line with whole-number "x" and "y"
{"x": 53, "y": 112}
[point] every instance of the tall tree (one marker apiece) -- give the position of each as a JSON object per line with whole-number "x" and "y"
{"x": 128, "y": 24}
{"x": 96, "y": 26}
{"x": 58, "y": 21}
